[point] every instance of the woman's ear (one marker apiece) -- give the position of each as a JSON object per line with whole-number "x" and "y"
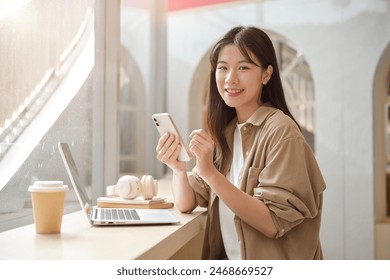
{"x": 267, "y": 74}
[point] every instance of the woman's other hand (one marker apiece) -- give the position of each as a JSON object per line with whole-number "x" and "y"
{"x": 202, "y": 147}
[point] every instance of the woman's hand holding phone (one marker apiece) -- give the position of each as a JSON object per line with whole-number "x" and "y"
{"x": 168, "y": 150}
{"x": 164, "y": 123}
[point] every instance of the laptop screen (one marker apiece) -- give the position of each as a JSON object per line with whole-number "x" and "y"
{"x": 74, "y": 176}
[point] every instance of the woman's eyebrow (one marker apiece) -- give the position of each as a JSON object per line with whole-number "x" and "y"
{"x": 241, "y": 61}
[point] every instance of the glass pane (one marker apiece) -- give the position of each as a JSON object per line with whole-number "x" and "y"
{"x": 134, "y": 82}
{"x": 46, "y": 84}
{"x": 127, "y": 135}
{"x": 33, "y": 39}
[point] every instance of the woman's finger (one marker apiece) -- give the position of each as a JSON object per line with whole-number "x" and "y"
{"x": 201, "y": 141}
{"x": 168, "y": 151}
{"x": 165, "y": 148}
{"x": 162, "y": 141}
{"x": 201, "y": 133}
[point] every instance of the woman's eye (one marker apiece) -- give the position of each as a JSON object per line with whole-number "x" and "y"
{"x": 243, "y": 68}
{"x": 221, "y": 68}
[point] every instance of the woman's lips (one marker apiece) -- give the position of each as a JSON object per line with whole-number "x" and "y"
{"x": 233, "y": 91}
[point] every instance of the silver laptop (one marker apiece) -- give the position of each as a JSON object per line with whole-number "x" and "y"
{"x": 110, "y": 216}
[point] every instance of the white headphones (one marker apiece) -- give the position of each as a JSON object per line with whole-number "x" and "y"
{"x": 129, "y": 187}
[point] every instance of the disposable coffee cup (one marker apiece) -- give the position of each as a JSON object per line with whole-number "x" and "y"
{"x": 48, "y": 199}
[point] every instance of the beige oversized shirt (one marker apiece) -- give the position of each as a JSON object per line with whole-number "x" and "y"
{"x": 281, "y": 170}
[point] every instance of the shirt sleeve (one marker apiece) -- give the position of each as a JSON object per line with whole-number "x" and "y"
{"x": 201, "y": 189}
{"x": 290, "y": 184}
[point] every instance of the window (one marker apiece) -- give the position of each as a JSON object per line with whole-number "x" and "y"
{"x": 61, "y": 81}
{"x": 46, "y": 88}
{"x": 134, "y": 84}
{"x": 298, "y": 85}
{"x": 142, "y": 84}
{"x": 381, "y": 114}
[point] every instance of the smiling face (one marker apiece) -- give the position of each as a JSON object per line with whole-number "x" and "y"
{"x": 239, "y": 81}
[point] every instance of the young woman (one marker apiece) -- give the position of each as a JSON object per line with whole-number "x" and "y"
{"x": 254, "y": 170}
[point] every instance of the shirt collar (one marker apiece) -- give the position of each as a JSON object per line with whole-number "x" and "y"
{"x": 257, "y": 119}
{"x": 261, "y": 114}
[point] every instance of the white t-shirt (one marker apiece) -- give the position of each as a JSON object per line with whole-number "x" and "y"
{"x": 226, "y": 216}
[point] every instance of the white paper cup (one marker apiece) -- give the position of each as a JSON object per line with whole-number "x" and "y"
{"x": 48, "y": 199}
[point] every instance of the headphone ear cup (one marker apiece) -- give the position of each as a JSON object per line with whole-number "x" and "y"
{"x": 129, "y": 187}
{"x": 111, "y": 191}
{"x": 149, "y": 187}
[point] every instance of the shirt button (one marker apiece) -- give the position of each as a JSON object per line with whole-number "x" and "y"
{"x": 244, "y": 128}
{"x": 239, "y": 178}
{"x": 246, "y": 153}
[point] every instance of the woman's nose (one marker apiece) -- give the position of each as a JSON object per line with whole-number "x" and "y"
{"x": 231, "y": 77}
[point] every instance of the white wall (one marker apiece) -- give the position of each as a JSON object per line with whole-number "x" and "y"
{"x": 342, "y": 42}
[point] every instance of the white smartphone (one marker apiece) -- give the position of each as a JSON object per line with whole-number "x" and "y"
{"x": 164, "y": 123}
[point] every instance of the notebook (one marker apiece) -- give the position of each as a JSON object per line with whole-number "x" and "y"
{"x": 114, "y": 202}
{"x": 110, "y": 216}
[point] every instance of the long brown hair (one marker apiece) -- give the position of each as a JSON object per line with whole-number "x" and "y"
{"x": 219, "y": 115}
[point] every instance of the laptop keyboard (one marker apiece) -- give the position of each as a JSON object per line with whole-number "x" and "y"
{"x": 118, "y": 214}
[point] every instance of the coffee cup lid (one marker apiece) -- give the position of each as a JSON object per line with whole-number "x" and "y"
{"x": 48, "y": 186}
